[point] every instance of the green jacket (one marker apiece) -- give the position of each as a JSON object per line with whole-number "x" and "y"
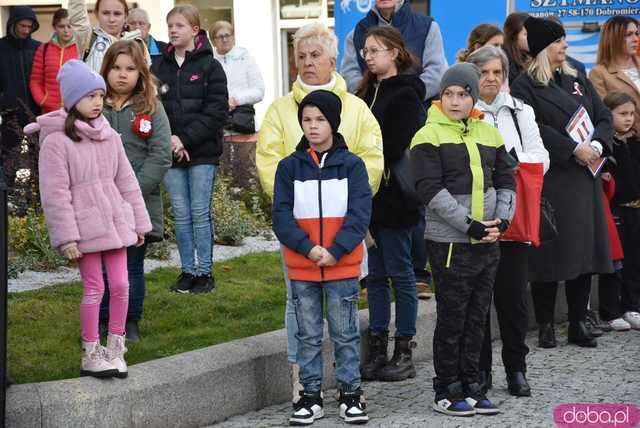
{"x": 150, "y": 158}
{"x": 461, "y": 172}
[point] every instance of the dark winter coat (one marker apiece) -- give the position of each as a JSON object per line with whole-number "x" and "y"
{"x": 150, "y": 158}
{"x": 16, "y": 57}
{"x": 396, "y": 104}
{"x": 582, "y": 245}
{"x": 626, "y": 170}
{"x": 195, "y": 99}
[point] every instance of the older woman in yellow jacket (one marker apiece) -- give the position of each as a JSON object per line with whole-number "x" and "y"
{"x": 315, "y": 50}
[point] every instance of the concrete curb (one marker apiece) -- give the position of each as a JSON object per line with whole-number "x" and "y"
{"x": 192, "y": 389}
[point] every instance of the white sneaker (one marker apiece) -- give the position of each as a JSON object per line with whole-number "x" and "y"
{"x": 94, "y": 362}
{"x": 115, "y": 354}
{"x": 633, "y": 318}
{"x": 619, "y": 324}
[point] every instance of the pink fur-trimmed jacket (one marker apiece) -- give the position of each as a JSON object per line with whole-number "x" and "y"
{"x": 88, "y": 189}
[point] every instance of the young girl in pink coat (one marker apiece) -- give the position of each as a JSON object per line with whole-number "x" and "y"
{"x": 93, "y": 207}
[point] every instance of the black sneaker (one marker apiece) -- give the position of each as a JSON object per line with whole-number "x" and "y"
{"x": 307, "y": 409}
{"x": 203, "y": 284}
{"x": 352, "y": 408}
{"x": 184, "y": 284}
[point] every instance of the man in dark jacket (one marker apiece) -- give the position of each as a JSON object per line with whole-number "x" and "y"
{"x": 17, "y": 49}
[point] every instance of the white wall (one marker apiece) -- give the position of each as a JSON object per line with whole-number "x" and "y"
{"x": 256, "y": 30}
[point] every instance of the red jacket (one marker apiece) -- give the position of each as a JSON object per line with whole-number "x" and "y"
{"x": 44, "y": 86}
{"x": 609, "y": 188}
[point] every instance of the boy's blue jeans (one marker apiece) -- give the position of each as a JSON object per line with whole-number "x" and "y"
{"x": 190, "y": 190}
{"x": 342, "y": 316}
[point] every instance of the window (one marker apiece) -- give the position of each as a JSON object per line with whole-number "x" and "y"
{"x": 300, "y": 9}
{"x": 211, "y": 11}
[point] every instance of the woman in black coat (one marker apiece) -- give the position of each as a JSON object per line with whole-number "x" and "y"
{"x": 395, "y": 98}
{"x": 555, "y": 90}
{"x": 193, "y": 89}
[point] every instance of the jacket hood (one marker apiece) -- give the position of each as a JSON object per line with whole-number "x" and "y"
{"x": 437, "y": 116}
{"x": 97, "y": 130}
{"x": 237, "y": 52}
{"x": 411, "y": 81}
{"x": 19, "y": 13}
{"x": 339, "y": 87}
{"x": 202, "y": 46}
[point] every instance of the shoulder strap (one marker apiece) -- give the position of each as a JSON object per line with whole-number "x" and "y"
{"x": 514, "y": 116}
{"x": 44, "y": 58}
{"x": 88, "y": 46}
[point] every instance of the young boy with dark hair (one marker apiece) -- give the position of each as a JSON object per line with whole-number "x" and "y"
{"x": 321, "y": 212}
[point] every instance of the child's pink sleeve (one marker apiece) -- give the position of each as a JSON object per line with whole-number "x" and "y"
{"x": 55, "y": 194}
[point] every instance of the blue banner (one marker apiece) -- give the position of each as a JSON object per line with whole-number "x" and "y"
{"x": 347, "y": 14}
{"x": 582, "y": 22}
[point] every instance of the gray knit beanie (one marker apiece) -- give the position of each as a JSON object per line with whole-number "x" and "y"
{"x": 465, "y": 75}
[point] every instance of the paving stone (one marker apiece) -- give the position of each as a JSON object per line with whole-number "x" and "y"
{"x": 609, "y": 373}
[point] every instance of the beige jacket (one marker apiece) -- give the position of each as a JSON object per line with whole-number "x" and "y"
{"x": 608, "y": 78}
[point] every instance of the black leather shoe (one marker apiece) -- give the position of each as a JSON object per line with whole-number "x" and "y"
{"x": 579, "y": 335}
{"x": 518, "y": 385}
{"x": 546, "y": 336}
{"x": 593, "y": 325}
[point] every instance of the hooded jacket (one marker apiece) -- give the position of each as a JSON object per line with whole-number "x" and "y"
{"x": 15, "y": 64}
{"x": 396, "y": 103}
{"x": 195, "y": 98}
{"x": 88, "y": 190}
{"x": 244, "y": 81}
{"x": 322, "y": 200}
{"x": 280, "y": 132}
{"x": 48, "y": 60}
{"x": 461, "y": 173}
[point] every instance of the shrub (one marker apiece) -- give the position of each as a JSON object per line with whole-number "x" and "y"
{"x": 232, "y": 223}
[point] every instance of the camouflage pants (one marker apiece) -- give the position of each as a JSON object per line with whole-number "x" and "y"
{"x": 463, "y": 276}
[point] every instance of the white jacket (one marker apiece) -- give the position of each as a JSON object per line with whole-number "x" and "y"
{"x": 244, "y": 81}
{"x": 530, "y": 148}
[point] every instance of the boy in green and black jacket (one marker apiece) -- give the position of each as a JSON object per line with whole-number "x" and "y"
{"x": 462, "y": 174}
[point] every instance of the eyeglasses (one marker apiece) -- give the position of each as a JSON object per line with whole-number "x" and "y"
{"x": 373, "y": 52}
{"x": 223, "y": 36}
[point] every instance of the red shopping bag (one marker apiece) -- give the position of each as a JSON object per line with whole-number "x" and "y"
{"x": 525, "y": 226}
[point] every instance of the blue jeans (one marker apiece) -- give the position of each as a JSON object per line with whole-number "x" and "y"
{"x": 390, "y": 259}
{"x": 342, "y": 315}
{"x": 135, "y": 268}
{"x": 190, "y": 191}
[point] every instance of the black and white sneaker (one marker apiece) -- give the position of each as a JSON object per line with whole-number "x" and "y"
{"x": 307, "y": 409}
{"x": 183, "y": 284}
{"x": 352, "y": 408}
{"x": 481, "y": 404}
{"x": 203, "y": 284}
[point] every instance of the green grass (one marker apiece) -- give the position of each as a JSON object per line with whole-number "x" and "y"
{"x": 44, "y": 325}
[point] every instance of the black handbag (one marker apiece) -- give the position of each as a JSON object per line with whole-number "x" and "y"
{"x": 242, "y": 120}
{"x": 399, "y": 170}
{"x": 548, "y": 228}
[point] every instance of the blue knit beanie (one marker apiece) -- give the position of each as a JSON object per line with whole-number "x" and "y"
{"x": 77, "y": 80}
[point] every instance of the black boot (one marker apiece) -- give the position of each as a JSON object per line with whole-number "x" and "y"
{"x": 546, "y": 336}
{"x": 377, "y": 357}
{"x": 579, "y": 335}
{"x": 401, "y": 366}
{"x": 518, "y": 385}
{"x": 593, "y": 324}
{"x": 132, "y": 331}
{"x": 486, "y": 381}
